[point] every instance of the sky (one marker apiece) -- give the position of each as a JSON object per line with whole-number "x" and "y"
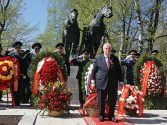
{"x": 35, "y": 13}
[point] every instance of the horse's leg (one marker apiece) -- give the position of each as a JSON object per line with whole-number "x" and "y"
{"x": 74, "y": 47}
{"x": 64, "y": 40}
{"x": 96, "y": 47}
{"x": 89, "y": 47}
{"x": 66, "y": 46}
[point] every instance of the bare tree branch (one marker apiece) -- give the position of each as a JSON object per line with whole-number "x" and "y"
{"x": 160, "y": 37}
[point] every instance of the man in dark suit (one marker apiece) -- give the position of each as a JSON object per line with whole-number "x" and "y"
{"x": 106, "y": 73}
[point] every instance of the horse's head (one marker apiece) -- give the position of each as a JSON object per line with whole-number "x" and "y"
{"x": 107, "y": 11}
{"x": 73, "y": 15}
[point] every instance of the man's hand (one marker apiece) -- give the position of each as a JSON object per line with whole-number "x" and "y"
{"x": 24, "y": 77}
{"x": 121, "y": 84}
{"x": 92, "y": 84}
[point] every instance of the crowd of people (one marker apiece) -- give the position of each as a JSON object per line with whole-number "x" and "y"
{"x": 106, "y": 72}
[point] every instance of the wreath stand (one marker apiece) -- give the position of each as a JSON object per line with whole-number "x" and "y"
{"x": 4, "y": 87}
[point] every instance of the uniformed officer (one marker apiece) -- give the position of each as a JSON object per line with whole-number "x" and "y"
{"x": 81, "y": 61}
{"x": 60, "y": 49}
{"x": 16, "y": 53}
{"x": 29, "y": 57}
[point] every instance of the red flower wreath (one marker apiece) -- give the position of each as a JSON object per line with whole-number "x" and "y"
{"x": 7, "y": 71}
{"x": 53, "y": 93}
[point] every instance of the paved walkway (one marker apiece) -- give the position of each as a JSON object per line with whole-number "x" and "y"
{"x": 151, "y": 117}
{"x": 74, "y": 118}
{"x": 33, "y": 117}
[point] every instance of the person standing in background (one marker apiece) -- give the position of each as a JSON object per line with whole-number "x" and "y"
{"x": 154, "y": 52}
{"x": 60, "y": 49}
{"x": 16, "y": 53}
{"x": 129, "y": 62}
{"x": 29, "y": 57}
{"x": 81, "y": 61}
{"x": 1, "y": 56}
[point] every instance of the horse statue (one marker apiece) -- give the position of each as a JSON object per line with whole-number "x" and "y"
{"x": 92, "y": 34}
{"x": 71, "y": 33}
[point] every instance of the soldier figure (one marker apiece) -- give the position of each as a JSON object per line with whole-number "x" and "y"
{"x": 16, "y": 53}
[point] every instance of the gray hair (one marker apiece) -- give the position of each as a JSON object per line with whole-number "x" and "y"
{"x": 107, "y": 45}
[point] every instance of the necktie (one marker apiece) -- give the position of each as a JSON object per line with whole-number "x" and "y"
{"x": 108, "y": 62}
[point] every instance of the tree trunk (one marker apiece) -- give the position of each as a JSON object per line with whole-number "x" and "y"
{"x": 140, "y": 26}
{"x": 153, "y": 24}
{"x": 122, "y": 47}
{"x": 0, "y": 36}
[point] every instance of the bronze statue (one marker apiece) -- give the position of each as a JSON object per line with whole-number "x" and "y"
{"x": 92, "y": 34}
{"x": 71, "y": 33}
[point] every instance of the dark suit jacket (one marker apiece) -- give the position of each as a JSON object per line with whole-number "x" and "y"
{"x": 103, "y": 75}
{"x": 66, "y": 59}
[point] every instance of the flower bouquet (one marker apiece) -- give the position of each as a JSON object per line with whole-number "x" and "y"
{"x": 7, "y": 69}
{"x": 9, "y": 72}
{"x": 91, "y": 105}
{"x": 49, "y": 88}
{"x": 131, "y": 106}
{"x": 154, "y": 82}
{"x": 149, "y": 76}
{"x": 131, "y": 99}
{"x": 53, "y": 96}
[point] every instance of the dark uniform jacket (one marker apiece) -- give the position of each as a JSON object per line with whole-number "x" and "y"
{"x": 130, "y": 64}
{"x": 66, "y": 59}
{"x": 80, "y": 63}
{"x": 22, "y": 62}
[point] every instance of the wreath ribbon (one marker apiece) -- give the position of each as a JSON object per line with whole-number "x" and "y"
{"x": 88, "y": 100}
{"x": 16, "y": 75}
{"x": 146, "y": 71}
{"x": 37, "y": 76}
{"x": 122, "y": 99}
{"x": 36, "y": 83}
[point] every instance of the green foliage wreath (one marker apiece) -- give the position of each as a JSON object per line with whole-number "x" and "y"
{"x": 144, "y": 58}
{"x": 39, "y": 57}
{"x": 151, "y": 102}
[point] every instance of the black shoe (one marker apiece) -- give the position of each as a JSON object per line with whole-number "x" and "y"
{"x": 112, "y": 119}
{"x": 81, "y": 105}
{"x": 25, "y": 101}
{"x": 101, "y": 118}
